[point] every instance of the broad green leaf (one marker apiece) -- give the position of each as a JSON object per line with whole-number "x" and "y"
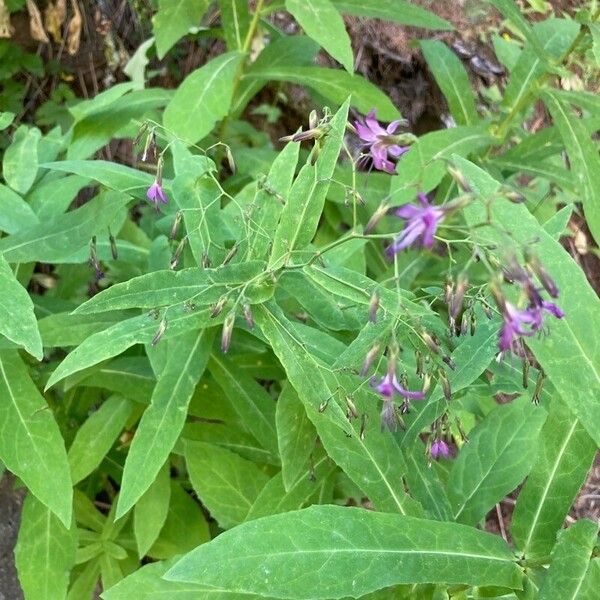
{"x": 85, "y": 581}
{"x": 565, "y": 455}
{"x": 571, "y": 337}
{"x": 15, "y": 213}
{"x": 302, "y": 211}
{"x": 235, "y": 19}
{"x": 583, "y": 157}
{"x": 555, "y": 35}
{"x": 203, "y": 98}
{"x": 114, "y": 176}
{"x": 163, "y": 420}
{"x": 227, "y": 484}
{"x": 267, "y": 202}
{"x": 254, "y": 406}
{"x": 537, "y": 168}
{"x": 101, "y": 101}
{"x": 17, "y": 319}
{"x": 453, "y": 80}
{"x": 96, "y": 437}
{"x": 569, "y": 561}
{"x": 323, "y": 23}
{"x": 151, "y": 511}
{"x": 173, "y": 20}
{"x": 137, "y": 330}
{"x": 147, "y": 583}
{"x": 507, "y": 51}
{"x": 556, "y": 226}
{"x": 325, "y": 552}
{"x": 58, "y": 238}
{"x": 586, "y": 100}
{"x": 296, "y": 436}
{"x": 54, "y": 196}
{"x": 45, "y": 552}
{"x": 355, "y": 452}
{"x": 185, "y": 527}
{"x": 499, "y": 455}
{"x": 20, "y": 162}
{"x": 6, "y": 118}
{"x": 398, "y": 11}
{"x": 30, "y": 442}
{"x": 274, "y": 498}
{"x": 591, "y": 582}
{"x": 167, "y": 288}
{"x": 335, "y": 85}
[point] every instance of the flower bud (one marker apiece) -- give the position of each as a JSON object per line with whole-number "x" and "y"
{"x": 351, "y": 412}
{"x": 373, "y": 306}
{"x": 445, "y": 384}
{"x": 218, "y": 307}
{"x": 448, "y": 360}
{"x": 379, "y": 213}
{"x": 426, "y": 383}
{"x": 457, "y": 297}
{"x": 230, "y": 160}
{"x": 363, "y": 426}
{"x": 459, "y": 178}
{"x": 160, "y": 332}
{"x": 232, "y": 252}
{"x": 227, "y": 332}
{"x": 371, "y": 356}
{"x": 539, "y": 386}
{"x": 114, "y": 251}
{"x": 206, "y": 262}
{"x": 431, "y": 342}
{"x": 513, "y": 196}
{"x": 419, "y": 361}
{"x": 178, "y": 251}
{"x": 313, "y": 119}
{"x": 536, "y": 266}
{"x": 525, "y": 372}
{"x": 175, "y": 227}
{"x": 248, "y": 315}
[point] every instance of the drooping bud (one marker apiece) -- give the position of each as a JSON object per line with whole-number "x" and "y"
{"x": 149, "y": 147}
{"x": 426, "y": 383}
{"x": 373, "y": 307}
{"x": 206, "y": 262}
{"x": 513, "y": 196}
{"x": 363, "y": 426}
{"x": 313, "y": 119}
{"x": 114, "y": 251}
{"x": 218, "y": 307}
{"x": 232, "y": 252}
{"x": 248, "y": 315}
{"x": 448, "y": 290}
{"x": 160, "y": 332}
{"x": 458, "y": 177}
{"x": 487, "y": 309}
{"x": 419, "y": 361}
{"x": 369, "y": 358}
{"x": 390, "y": 417}
{"x": 536, "y": 266}
{"x": 473, "y": 322}
{"x": 227, "y": 332}
{"x": 457, "y": 297}
{"x": 176, "y": 223}
{"x": 379, "y": 213}
{"x": 448, "y": 360}
{"x": 525, "y": 372}
{"x": 539, "y": 386}
{"x": 178, "y": 251}
{"x": 140, "y": 133}
{"x": 230, "y": 160}
{"x": 324, "y": 405}
{"x": 431, "y": 342}
{"x": 445, "y": 384}
{"x": 351, "y": 412}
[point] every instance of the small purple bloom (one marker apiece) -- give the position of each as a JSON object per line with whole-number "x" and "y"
{"x": 553, "y": 309}
{"x": 439, "y": 448}
{"x": 156, "y": 194}
{"x": 518, "y": 323}
{"x": 421, "y": 222}
{"x": 390, "y": 384}
{"x": 381, "y": 142}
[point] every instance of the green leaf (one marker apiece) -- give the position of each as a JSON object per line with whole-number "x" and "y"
{"x": 591, "y": 582}
{"x": 570, "y": 560}
{"x": 583, "y": 157}
{"x": 405, "y": 13}
{"x": 235, "y": 19}
{"x": 45, "y": 552}
{"x": 52, "y": 197}
{"x": 564, "y": 458}
{"x": 227, "y": 484}
{"x": 151, "y": 511}
{"x": 325, "y": 552}
{"x": 203, "y": 98}
{"x": 571, "y": 336}
{"x": 173, "y": 20}
{"x": 30, "y": 444}
{"x": 556, "y": 36}
{"x": 114, "y": 176}
{"x": 335, "y": 85}
{"x": 499, "y": 455}
{"x": 323, "y": 23}
{"x": 17, "y": 319}
{"x": 16, "y": 213}
{"x": 253, "y": 405}
{"x": 6, "y": 118}
{"x": 20, "y": 162}
{"x": 58, "y": 238}
{"x": 163, "y": 420}
{"x": 453, "y": 80}
{"x": 296, "y": 436}
{"x": 355, "y": 452}
{"x": 96, "y": 437}
{"x": 303, "y": 208}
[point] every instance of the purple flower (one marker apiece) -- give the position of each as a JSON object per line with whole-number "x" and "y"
{"x": 381, "y": 142}
{"x": 390, "y": 384}
{"x": 156, "y": 194}
{"x": 439, "y": 448}
{"x": 421, "y": 222}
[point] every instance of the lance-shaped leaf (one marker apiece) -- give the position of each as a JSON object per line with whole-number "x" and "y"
{"x": 227, "y": 484}
{"x": 565, "y": 455}
{"x": 302, "y": 211}
{"x": 583, "y": 156}
{"x": 30, "y": 442}
{"x": 577, "y": 342}
{"x": 357, "y": 452}
{"x": 58, "y": 238}
{"x": 20, "y": 162}
{"x": 17, "y": 319}
{"x": 203, "y": 98}
{"x": 96, "y": 436}
{"x": 325, "y": 552}
{"x": 569, "y": 562}
{"x": 235, "y": 18}
{"x": 323, "y": 23}
{"x": 163, "y": 420}
{"x": 166, "y": 288}
{"x": 45, "y": 552}
{"x": 16, "y": 213}
{"x": 499, "y": 455}
{"x": 591, "y": 582}
{"x": 453, "y": 80}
